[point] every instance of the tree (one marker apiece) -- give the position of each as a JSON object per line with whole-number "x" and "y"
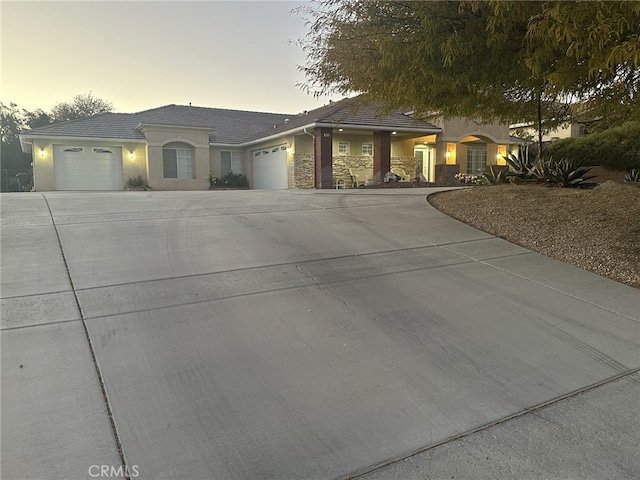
{"x": 598, "y": 65}
{"x": 12, "y": 160}
{"x": 82, "y": 105}
{"x": 485, "y": 60}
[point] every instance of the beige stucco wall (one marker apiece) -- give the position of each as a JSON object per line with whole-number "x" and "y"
{"x": 563, "y": 131}
{"x": 43, "y": 166}
{"x": 303, "y": 144}
{"x": 455, "y": 129}
{"x": 43, "y": 175}
{"x": 355, "y": 143}
{"x": 197, "y": 138}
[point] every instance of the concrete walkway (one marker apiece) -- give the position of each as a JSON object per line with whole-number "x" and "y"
{"x": 303, "y": 334}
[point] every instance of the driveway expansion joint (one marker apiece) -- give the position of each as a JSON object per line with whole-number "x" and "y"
{"x": 90, "y": 344}
{"x": 531, "y": 410}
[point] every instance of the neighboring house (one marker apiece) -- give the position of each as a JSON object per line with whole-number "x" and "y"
{"x": 180, "y": 147}
{"x": 529, "y": 131}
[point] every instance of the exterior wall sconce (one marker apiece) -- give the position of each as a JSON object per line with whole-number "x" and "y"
{"x": 131, "y": 156}
{"x": 289, "y": 149}
{"x": 501, "y": 156}
{"x": 394, "y": 133}
{"x": 450, "y": 154}
{"x": 41, "y": 153}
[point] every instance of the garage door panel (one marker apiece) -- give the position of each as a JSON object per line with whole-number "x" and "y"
{"x": 270, "y": 168}
{"x": 88, "y": 168}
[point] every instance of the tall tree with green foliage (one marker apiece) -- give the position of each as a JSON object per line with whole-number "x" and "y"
{"x": 81, "y": 106}
{"x": 485, "y": 60}
{"x": 12, "y": 160}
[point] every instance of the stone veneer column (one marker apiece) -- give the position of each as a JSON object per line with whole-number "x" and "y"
{"x": 381, "y": 155}
{"x": 322, "y": 152}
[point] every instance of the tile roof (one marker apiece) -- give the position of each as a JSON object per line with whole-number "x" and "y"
{"x": 349, "y": 112}
{"x": 104, "y": 125}
{"x": 228, "y": 126}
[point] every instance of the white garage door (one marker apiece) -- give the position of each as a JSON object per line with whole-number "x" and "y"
{"x": 270, "y": 168}
{"x": 87, "y": 168}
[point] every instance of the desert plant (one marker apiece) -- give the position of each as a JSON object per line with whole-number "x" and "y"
{"x": 632, "y": 175}
{"x": 569, "y": 173}
{"x": 541, "y": 169}
{"x": 496, "y": 176}
{"x": 521, "y": 167}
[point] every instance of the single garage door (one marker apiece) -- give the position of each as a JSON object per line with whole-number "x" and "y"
{"x": 270, "y": 168}
{"x": 87, "y": 168}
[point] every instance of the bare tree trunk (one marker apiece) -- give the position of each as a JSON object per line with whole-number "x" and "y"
{"x": 540, "y": 124}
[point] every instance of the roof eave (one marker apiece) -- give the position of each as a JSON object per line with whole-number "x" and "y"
{"x": 382, "y": 128}
{"x": 346, "y": 126}
{"x": 26, "y": 137}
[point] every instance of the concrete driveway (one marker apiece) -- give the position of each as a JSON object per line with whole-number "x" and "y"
{"x": 303, "y": 334}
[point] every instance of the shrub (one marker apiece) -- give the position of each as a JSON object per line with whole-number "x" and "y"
{"x": 135, "y": 182}
{"x": 469, "y": 178}
{"x": 230, "y": 180}
{"x": 617, "y": 148}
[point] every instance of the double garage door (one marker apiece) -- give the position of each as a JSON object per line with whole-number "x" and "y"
{"x": 270, "y": 168}
{"x": 87, "y": 168}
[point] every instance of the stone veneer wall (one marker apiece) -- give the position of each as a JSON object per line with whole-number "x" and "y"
{"x": 303, "y": 170}
{"x": 342, "y": 164}
{"x": 408, "y": 164}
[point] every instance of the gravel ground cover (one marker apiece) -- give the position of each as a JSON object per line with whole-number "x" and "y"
{"x": 597, "y": 229}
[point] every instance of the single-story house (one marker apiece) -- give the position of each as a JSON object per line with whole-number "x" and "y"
{"x": 179, "y": 147}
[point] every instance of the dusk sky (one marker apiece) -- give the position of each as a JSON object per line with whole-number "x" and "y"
{"x": 140, "y": 55}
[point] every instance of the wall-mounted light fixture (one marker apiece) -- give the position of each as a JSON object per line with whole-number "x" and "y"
{"x": 289, "y": 149}
{"x": 41, "y": 153}
{"x": 450, "y": 154}
{"x": 394, "y": 133}
{"x": 341, "y": 129}
{"x": 131, "y": 156}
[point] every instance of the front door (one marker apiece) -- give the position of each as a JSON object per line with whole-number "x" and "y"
{"x": 425, "y": 157}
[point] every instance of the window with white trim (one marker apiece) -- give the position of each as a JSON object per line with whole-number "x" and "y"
{"x": 177, "y": 162}
{"x": 344, "y": 148}
{"x": 367, "y": 148}
{"x": 230, "y": 161}
{"x": 476, "y": 160}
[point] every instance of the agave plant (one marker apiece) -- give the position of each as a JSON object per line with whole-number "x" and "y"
{"x": 569, "y": 173}
{"x": 520, "y": 167}
{"x": 541, "y": 170}
{"x": 494, "y": 177}
{"x": 632, "y": 175}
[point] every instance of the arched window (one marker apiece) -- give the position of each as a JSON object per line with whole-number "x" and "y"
{"x": 177, "y": 160}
